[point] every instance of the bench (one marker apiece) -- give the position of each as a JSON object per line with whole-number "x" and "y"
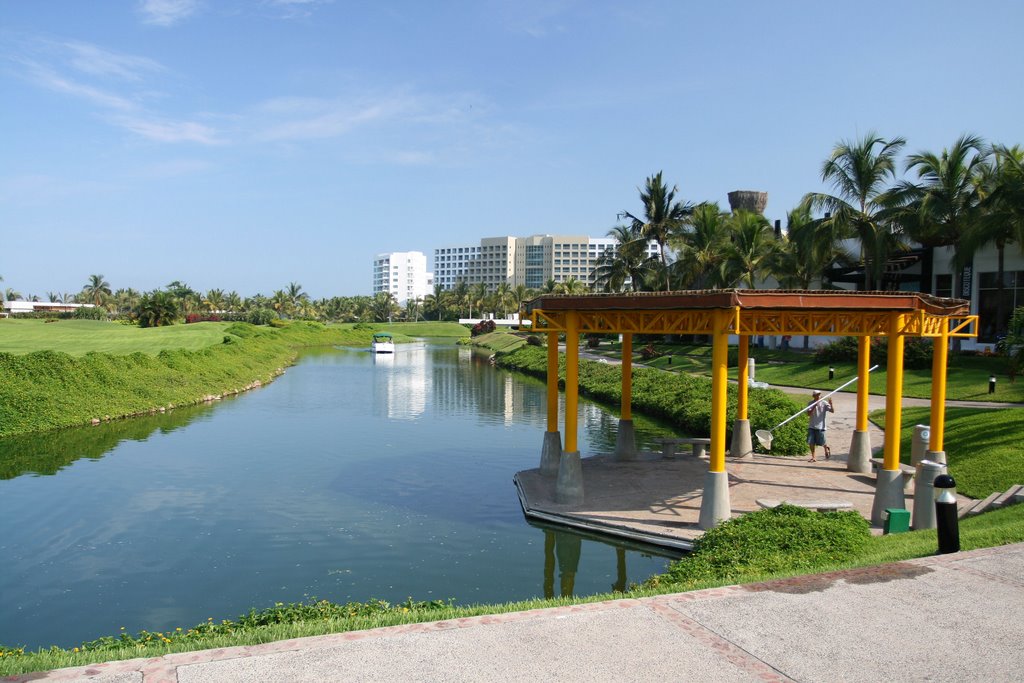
{"x": 908, "y": 471}
{"x": 820, "y": 506}
{"x": 698, "y": 446}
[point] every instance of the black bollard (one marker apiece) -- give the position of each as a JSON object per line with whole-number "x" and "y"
{"x": 946, "y": 521}
{"x": 991, "y": 384}
{"x": 831, "y": 372}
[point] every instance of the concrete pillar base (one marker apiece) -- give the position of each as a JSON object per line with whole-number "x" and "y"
{"x": 924, "y": 494}
{"x": 551, "y": 453}
{"x": 936, "y": 456}
{"x": 919, "y": 443}
{"x": 741, "y": 447}
{"x": 888, "y": 494}
{"x": 714, "y": 505}
{"x": 569, "y": 485}
{"x": 625, "y": 441}
{"x": 859, "y": 459}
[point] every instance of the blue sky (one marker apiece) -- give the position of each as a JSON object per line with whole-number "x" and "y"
{"x": 246, "y": 144}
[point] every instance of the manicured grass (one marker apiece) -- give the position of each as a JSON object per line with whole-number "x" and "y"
{"x": 982, "y": 446}
{"x": 426, "y": 329}
{"x": 499, "y": 341}
{"x": 79, "y": 337}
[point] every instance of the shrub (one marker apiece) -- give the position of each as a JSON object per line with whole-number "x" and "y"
{"x": 259, "y": 316}
{"x": 773, "y": 541}
{"x": 483, "y": 327}
{"x": 202, "y": 318}
{"x": 90, "y": 313}
{"x": 534, "y": 340}
{"x": 917, "y": 353}
{"x": 593, "y": 341}
{"x": 649, "y": 352}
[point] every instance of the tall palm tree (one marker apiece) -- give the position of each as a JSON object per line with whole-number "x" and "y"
{"x": 280, "y": 303}
{"x": 943, "y": 204}
{"x": 521, "y": 293}
{"x": 752, "y": 251}
{"x": 700, "y": 244}
{"x": 10, "y": 294}
{"x": 295, "y": 294}
{"x": 1002, "y": 216}
{"x": 233, "y": 301}
{"x": 503, "y": 297}
{"x": 478, "y": 296}
{"x": 53, "y": 297}
{"x": 627, "y": 263}
{"x": 96, "y": 289}
{"x": 808, "y": 249}
{"x": 215, "y": 301}
{"x": 383, "y": 307}
{"x": 662, "y": 215}
{"x": 859, "y": 172}
{"x": 572, "y": 286}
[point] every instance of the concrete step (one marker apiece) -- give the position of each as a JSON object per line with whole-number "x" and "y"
{"x": 980, "y": 506}
{"x": 1007, "y": 498}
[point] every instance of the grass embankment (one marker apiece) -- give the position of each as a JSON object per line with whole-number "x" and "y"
{"x": 682, "y": 399}
{"x": 79, "y": 337}
{"x": 50, "y": 389}
{"x": 426, "y": 328}
{"x": 499, "y": 341}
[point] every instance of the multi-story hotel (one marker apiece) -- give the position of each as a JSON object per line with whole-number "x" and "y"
{"x": 404, "y": 274}
{"x": 530, "y": 261}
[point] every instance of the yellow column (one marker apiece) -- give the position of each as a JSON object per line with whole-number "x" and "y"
{"x": 719, "y": 387}
{"x": 552, "y": 381}
{"x": 894, "y": 393}
{"x": 743, "y": 372}
{"x": 572, "y": 379}
{"x": 863, "y": 382}
{"x": 940, "y": 356}
{"x": 627, "y": 376}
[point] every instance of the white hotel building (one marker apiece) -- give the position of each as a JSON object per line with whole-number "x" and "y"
{"x": 530, "y": 261}
{"x": 404, "y": 274}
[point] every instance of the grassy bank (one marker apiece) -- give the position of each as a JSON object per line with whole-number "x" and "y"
{"x": 681, "y": 399}
{"x": 79, "y": 337}
{"x": 46, "y": 390}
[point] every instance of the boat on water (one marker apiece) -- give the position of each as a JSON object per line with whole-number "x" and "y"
{"x": 383, "y": 343}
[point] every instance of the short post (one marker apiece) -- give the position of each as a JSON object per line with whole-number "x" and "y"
{"x": 924, "y": 493}
{"x": 751, "y": 367}
{"x": 919, "y": 444}
{"x": 946, "y": 521}
{"x": 831, "y": 372}
{"x": 991, "y": 384}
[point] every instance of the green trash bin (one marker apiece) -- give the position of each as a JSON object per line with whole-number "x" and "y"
{"x": 897, "y": 520}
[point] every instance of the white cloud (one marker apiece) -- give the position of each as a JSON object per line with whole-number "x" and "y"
{"x": 310, "y": 118}
{"x": 166, "y": 12}
{"x": 46, "y": 77}
{"x": 164, "y": 130}
{"x": 96, "y": 61}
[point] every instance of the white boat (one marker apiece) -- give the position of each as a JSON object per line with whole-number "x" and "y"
{"x": 383, "y": 343}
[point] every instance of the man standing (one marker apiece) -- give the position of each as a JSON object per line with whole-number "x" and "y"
{"x": 816, "y": 429}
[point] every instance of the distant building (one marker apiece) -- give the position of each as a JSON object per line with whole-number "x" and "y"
{"x": 16, "y": 307}
{"x": 404, "y": 274}
{"x": 530, "y": 261}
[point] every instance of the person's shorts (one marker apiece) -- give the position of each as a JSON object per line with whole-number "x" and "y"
{"x": 815, "y": 437}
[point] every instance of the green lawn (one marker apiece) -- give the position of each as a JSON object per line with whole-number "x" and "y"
{"x": 78, "y": 337}
{"x": 426, "y": 328}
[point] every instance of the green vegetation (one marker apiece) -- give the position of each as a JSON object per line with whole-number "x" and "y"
{"x": 682, "y": 399}
{"x": 982, "y": 446}
{"x": 426, "y": 329}
{"x": 79, "y": 337}
{"x": 499, "y": 341}
{"x": 49, "y": 389}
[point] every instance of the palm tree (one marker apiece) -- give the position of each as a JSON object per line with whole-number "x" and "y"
{"x": 662, "y": 216}
{"x": 807, "y": 250}
{"x": 96, "y": 289}
{"x": 752, "y": 251}
{"x": 478, "y": 296}
{"x": 858, "y": 171}
{"x": 214, "y": 301}
{"x": 53, "y": 297}
{"x": 462, "y": 296}
{"x": 572, "y": 286}
{"x": 503, "y": 297}
{"x": 550, "y": 287}
{"x": 233, "y": 301}
{"x": 521, "y": 293}
{"x": 1002, "y": 216}
{"x": 10, "y": 294}
{"x": 700, "y": 245}
{"x": 280, "y": 303}
{"x": 383, "y": 307}
{"x": 156, "y": 309}
{"x": 626, "y": 263}
{"x": 434, "y": 303}
{"x": 944, "y": 204}
{"x": 295, "y": 294}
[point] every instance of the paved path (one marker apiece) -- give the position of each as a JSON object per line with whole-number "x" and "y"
{"x": 943, "y": 618}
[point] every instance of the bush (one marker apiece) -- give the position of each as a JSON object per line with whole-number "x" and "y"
{"x": 260, "y": 316}
{"x": 649, "y": 352}
{"x": 482, "y": 327}
{"x": 202, "y": 318}
{"x": 90, "y": 313}
{"x": 534, "y": 340}
{"x": 777, "y": 540}
{"x": 917, "y": 353}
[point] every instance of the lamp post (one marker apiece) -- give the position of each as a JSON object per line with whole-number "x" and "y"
{"x": 991, "y": 384}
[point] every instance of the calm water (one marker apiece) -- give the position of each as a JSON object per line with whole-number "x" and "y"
{"x": 351, "y": 477}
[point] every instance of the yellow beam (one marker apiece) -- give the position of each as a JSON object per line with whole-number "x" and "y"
{"x": 572, "y": 381}
{"x": 627, "y": 376}
{"x": 719, "y": 386}
{"x": 743, "y": 371}
{"x": 552, "y": 381}
{"x": 940, "y": 356}
{"x": 863, "y": 382}
{"x": 894, "y": 396}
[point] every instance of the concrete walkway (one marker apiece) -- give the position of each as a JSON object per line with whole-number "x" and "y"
{"x": 942, "y": 618}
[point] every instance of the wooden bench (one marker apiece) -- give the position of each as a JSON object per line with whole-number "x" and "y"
{"x": 698, "y": 446}
{"x": 908, "y": 471}
{"x": 820, "y": 506}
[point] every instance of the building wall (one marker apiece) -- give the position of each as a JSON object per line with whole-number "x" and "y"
{"x": 403, "y": 274}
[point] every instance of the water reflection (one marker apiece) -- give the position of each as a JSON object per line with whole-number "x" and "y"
{"x": 404, "y": 391}
{"x": 47, "y": 453}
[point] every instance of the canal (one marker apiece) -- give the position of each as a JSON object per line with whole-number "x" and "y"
{"x": 350, "y": 477}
